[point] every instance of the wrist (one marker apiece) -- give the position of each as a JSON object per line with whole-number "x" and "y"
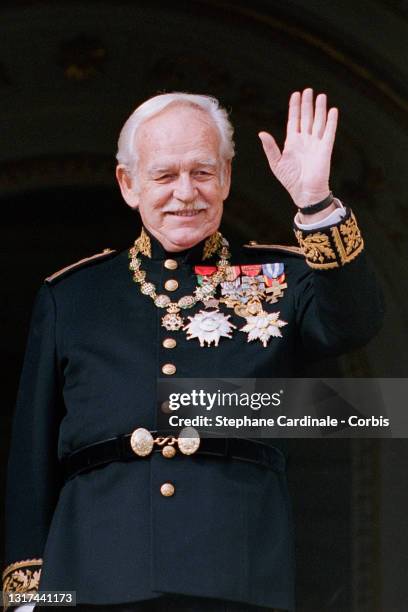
{"x": 306, "y": 198}
{"x": 319, "y": 216}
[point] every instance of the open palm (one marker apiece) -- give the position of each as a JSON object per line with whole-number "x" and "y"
{"x": 303, "y": 167}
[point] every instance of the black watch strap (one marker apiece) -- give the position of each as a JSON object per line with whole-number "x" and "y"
{"x": 311, "y": 209}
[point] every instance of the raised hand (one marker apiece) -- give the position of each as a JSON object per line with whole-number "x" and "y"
{"x": 303, "y": 167}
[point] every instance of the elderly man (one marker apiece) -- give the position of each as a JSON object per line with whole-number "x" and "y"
{"x": 93, "y": 504}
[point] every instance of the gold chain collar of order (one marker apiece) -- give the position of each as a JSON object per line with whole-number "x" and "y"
{"x": 172, "y": 320}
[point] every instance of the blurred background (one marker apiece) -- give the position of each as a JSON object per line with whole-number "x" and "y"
{"x": 72, "y": 72}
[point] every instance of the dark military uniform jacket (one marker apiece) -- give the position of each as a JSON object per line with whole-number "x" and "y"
{"x": 94, "y": 355}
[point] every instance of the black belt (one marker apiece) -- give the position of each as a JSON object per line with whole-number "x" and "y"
{"x": 119, "y": 449}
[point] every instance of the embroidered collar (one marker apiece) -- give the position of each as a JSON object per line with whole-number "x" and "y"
{"x": 205, "y": 250}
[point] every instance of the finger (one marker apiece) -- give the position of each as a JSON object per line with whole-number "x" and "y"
{"x": 331, "y": 126}
{"x": 306, "y": 111}
{"x": 271, "y": 149}
{"x": 293, "y": 126}
{"x": 319, "y": 122}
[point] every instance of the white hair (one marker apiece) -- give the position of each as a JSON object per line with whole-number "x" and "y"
{"x": 127, "y": 156}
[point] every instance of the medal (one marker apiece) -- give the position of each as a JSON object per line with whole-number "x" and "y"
{"x": 263, "y": 327}
{"x": 205, "y": 270}
{"x": 209, "y": 327}
{"x": 231, "y": 287}
{"x": 244, "y": 294}
{"x": 252, "y": 307}
{"x": 209, "y": 278}
{"x": 172, "y": 321}
{"x": 274, "y": 280}
{"x": 253, "y": 287}
{"x": 251, "y": 270}
{"x": 232, "y": 273}
{"x": 271, "y": 281}
{"x": 273, "y": 270}
{"x": 275, "y": 291}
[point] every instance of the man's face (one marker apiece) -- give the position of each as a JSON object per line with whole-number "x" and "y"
{"x": 180, "y": 184}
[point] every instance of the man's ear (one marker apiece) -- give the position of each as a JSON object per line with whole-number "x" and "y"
{"x": 227, "y": 179}
{"x": 125, "y": 184}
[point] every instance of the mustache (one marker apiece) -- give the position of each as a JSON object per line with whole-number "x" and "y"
{"x": 175, "y": 207}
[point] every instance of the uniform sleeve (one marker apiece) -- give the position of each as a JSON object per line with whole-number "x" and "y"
{"x": 339, "y": 302}
{"x": 33, "y": 475}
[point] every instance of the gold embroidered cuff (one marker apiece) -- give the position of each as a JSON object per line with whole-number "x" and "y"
{"x": 331, "y": 247}
{"x": 21, "y": 577}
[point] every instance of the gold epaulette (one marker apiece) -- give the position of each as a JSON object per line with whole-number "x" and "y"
{"x": 21, "y": 577}
{"x": 294, "y": 250}
{"x": 79, "y": 264}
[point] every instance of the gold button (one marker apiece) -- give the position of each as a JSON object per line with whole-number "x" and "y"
{"x": 171, "y": 264}
{"x": 169, "y": 343}
{"x": 171, "y": 284}
{"x": 167, "y": 489}
{"x": 165, "y": 407}
{"x": 169, "y": 369}
{"x": 168, "y": 452}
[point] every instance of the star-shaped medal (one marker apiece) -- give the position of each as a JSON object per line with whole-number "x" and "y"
{"x": 209, "y": 327}
{"x": 263, "y": 327}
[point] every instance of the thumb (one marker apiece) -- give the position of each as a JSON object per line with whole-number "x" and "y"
{"x": 271, "y": 149}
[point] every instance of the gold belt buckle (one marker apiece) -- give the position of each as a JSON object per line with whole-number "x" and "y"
{"x": 142, "y": 442}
